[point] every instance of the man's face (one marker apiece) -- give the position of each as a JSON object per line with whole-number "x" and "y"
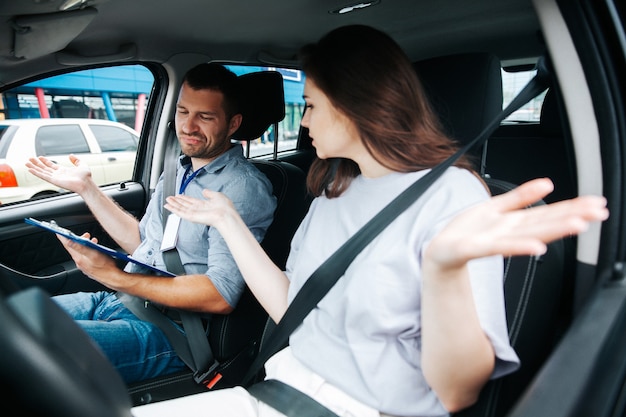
{"x": 202, "y": 126}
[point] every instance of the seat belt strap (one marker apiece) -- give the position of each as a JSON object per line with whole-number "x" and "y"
{"x": 205, "y": 363}
{"x": 195, "y": 339}
{"x": 170, "y": 163}
{"x": 288, "y": 400}
{"x": 147, "y": 311}
{"x": 320, "y": 282}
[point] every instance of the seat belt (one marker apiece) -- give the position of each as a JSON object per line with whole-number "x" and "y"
{"x": 288, "y": 400}
{"x": 327, "y": 274}
{"x": 193, "y": 346}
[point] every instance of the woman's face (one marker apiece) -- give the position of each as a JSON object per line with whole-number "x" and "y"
{"x": 333, "y": 134}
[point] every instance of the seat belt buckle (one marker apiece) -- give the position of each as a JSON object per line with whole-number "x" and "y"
{"x": 208, "y": 378}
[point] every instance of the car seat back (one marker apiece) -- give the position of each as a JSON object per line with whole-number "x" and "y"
{"x": 532, "y": 291}
{"x": 466, "y": 91}
{"x": 542, "y": 149}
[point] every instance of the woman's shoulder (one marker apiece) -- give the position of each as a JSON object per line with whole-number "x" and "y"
{"x": 462, "y": 179}
{"x": 454, "y": 181}
{"x": 456, "y": 190}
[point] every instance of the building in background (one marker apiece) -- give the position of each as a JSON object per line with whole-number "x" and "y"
{"x": 120, "y": 94}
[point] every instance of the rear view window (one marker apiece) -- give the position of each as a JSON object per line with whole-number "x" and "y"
{"x": 60, "y": 140}
{"x": 119, "y": 94}
{"x": 512, "y": 84}
{"x": 114, "y": 139}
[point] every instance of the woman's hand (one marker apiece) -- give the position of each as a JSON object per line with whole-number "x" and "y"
{"x": 268, "y": 283}
{"x": 503, "y": 225}
{"x": 210, "y": 211}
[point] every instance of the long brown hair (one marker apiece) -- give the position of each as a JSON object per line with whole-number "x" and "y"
{"x": 366, "y": 75}
{"x": 214, "y": 76}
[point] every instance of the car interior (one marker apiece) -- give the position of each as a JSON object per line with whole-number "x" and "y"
{"x": 564, "y": 308}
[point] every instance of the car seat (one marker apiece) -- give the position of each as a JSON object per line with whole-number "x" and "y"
{"x": 466, "y": 92}
{"x": 542, "y": 149}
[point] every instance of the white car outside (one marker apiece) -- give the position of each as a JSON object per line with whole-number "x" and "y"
{"x": 108, "y": 148}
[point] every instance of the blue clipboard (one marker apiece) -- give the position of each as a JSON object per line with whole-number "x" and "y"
{"x": 55, "y": 228}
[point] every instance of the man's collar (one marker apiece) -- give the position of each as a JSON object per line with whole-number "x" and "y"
{"x": 218, "y": 163}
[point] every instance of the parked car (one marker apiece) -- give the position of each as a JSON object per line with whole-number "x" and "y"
{"x": 566, "y": 310}
{"x": 108, "y": 148}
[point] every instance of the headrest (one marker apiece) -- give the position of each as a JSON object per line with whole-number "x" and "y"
{"x": 550, "y": 119}
{"x": 465, "y": 90}
{"x": 262, "y": 103}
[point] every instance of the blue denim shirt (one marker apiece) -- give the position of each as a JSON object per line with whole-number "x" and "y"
{"x": 201, "y": 248}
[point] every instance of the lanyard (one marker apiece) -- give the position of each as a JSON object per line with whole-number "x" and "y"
{"x": 187, "y": 178}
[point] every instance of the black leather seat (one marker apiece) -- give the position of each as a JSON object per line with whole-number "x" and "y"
{"x": 466, "y": 90}
{"x": 541, "y": 149}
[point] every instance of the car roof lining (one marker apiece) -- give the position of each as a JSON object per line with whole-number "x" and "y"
{"x": 253, "y": 34}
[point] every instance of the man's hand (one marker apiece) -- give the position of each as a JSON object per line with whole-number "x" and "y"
{"x": 74, "y": 178}
{"x": 94, "y": 264}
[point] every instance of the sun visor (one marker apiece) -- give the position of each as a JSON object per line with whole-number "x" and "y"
{"x": 38, "y": 35}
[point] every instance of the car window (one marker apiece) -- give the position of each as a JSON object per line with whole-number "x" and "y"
{"x": 116, "y": 95}
{"x": 114, "y": 139}
{"x": 512, "y": 84}
{"x": 60, "y": 140}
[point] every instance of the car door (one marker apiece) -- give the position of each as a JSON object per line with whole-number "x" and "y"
{"x": 586, "y": 373}
{"x": 57, "y": 141}
{"x": 117, "y": 146}
{"x": 30, "y": 256}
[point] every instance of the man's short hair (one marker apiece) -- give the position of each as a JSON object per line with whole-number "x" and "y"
{"x": 212, "y": 76}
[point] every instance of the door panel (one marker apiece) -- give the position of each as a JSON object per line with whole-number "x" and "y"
{"x": 32, "y": 256}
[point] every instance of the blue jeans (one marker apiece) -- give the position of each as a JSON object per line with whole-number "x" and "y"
{"x": 138, "y": 349}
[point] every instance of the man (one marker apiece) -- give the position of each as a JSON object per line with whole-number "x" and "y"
{"x": 207, "y": 115}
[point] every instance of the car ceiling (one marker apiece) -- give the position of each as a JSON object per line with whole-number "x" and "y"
{"x": 247, "y": 31}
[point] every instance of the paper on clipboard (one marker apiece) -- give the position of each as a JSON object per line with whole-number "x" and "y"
{"x": 55, "y": 228}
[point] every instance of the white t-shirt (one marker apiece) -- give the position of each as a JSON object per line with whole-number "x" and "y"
{"x": 365, "y": 335}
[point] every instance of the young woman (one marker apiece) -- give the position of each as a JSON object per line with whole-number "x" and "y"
{"x": 416, "y": 326}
